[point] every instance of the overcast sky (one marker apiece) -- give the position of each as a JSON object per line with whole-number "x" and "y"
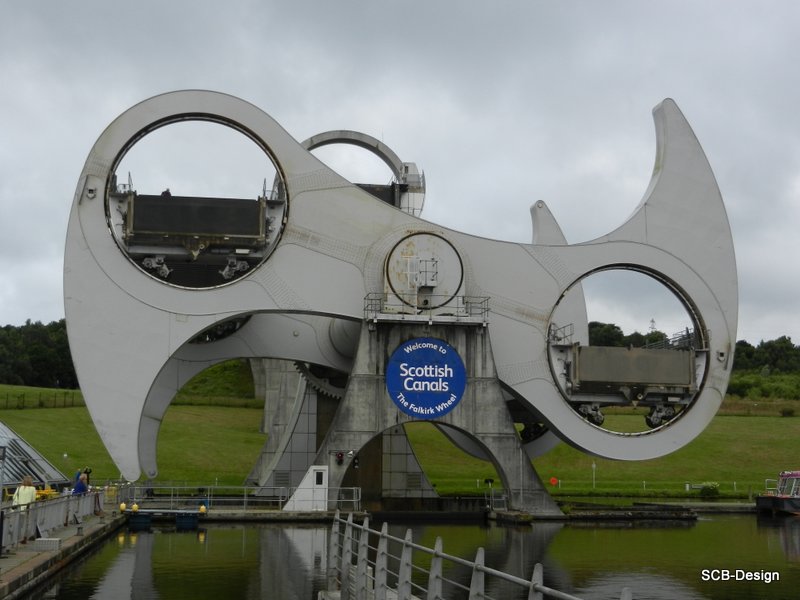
{"x": 501, "y": 104}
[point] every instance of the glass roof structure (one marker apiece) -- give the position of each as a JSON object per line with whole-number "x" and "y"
{"x": 22, "y": 459}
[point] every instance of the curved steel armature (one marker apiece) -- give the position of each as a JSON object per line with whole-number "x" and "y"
{"x": 131, "y": 334}
{"x": 410, "y": 197}
{"x": 291, "y": 336}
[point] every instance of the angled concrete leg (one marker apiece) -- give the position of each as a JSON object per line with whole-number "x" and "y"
{"x": 367, "y": 410}
{"x": 290, "y": 419}
{"x": 402, "y": 475}
{"x": 293, "y": 420}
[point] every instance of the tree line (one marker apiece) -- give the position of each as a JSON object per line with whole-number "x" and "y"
{"x": 772, "y": 356}
{"x": 38, "y": 355}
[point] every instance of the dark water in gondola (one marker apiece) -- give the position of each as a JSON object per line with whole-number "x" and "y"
{"x": 591, "y": 560}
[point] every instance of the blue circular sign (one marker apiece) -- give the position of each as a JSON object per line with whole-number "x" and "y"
{"x": 425, "y": 378}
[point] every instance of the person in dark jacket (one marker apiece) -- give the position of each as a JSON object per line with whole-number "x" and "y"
{"x": 81, "y": 487}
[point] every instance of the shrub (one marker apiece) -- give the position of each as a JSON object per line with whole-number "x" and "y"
{"x": 710, "y": 489}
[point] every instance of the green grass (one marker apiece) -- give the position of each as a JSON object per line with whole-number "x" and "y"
{"x": 19, "y": 396}
{"x": 62, "y": 431}
{"x": 744, "y": 450}
{"x": 211, "y": 434}
{"x": 204, "y": 444}
{"x": 209, "y": 444}
{"x": 451, "y": 470}
{"x": 227, "y": 384}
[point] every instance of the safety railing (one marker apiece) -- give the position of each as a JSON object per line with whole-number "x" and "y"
{"x": 176, "y": 497}
{"x": 428, "y": 307}
{"x": 246, "y": 498}
{"x": 688, "y": 338}
{"x": 527, "y": 500}
{"x": 41, "y": 517}
{"x": 357, "y": 576}
{"x": 346, "y": 499}
{"x": 496, "y": 500}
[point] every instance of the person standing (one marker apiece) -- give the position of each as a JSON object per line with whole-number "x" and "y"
{"x": 25, "y": 493}
{"x": 81, "y": 486}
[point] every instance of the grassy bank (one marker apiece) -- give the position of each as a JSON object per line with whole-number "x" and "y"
{"x": 211, "y": 434}
{"x": 227, "y": 384}
{"x": 739, "y": 453}
{"x": 196, "y": 443}
{"x": 210, "y": 444}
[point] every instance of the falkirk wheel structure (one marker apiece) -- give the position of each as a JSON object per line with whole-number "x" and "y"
{"x": 360, "y": 317}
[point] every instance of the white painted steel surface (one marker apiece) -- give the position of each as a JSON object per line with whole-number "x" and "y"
{"x": 129, "y": 332}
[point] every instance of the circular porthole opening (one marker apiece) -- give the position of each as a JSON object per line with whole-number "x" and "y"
{"x": 372, "y": 166}
{"x": 196, "y": 204}
{"x": 627, "y": 350}
{"x": 357, "y": 165}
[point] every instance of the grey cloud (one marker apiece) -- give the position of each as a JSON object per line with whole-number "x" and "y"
{"x": 501, "y": 105}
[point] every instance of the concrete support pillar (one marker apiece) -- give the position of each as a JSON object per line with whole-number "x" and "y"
{"x": 285, "y": 406}
{"x": 296, "y": 417}
{"x": 367, "y": 410}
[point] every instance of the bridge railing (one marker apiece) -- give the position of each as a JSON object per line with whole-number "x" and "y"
{"x": 357, "y": 576}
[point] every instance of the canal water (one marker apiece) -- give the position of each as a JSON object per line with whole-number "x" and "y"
{"x": 725, "y": 557}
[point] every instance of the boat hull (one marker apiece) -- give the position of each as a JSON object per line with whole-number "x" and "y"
{"x": 778, "y": 505}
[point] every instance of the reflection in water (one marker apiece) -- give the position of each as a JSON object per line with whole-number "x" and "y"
{"x": 131, "y": 574}
{"x": 649, "y": 586}
{"x": 119, "y": 581}
{"x": 591, "y": 561}
{"x": 241, "y": 561}
{"x": 788, "y": 529}
{"x": 289, "y": 558}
